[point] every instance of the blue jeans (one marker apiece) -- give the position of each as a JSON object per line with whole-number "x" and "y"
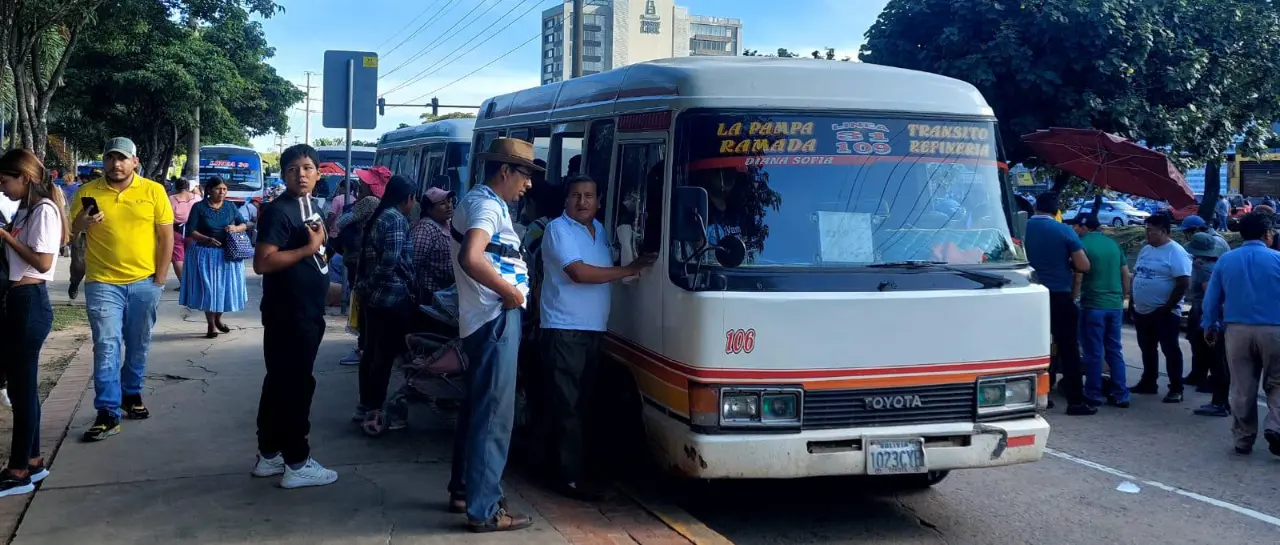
{"x": 1099, "y": 333}
{"x": 121, "y": 317}
{"x": 483, "y": 435}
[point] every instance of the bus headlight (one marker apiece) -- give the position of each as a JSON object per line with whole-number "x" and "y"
{"x": 740, "y": 407}
{"x": 1004, "y": 394}
{"x": 760, "y": 407}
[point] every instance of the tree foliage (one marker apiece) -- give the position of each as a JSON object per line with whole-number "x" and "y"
{"x": 429, "y": 118}
{"x": 1186, "y": 76}
{"x": 143, "y": 77}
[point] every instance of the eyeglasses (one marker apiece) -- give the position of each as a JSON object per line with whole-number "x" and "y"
{"x": 525, "y": 172}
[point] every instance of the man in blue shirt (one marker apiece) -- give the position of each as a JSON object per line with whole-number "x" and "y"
{"x": 574, "y": 308}
{"x": 1055, "y": 252}
{"x": 1241, "y": 296}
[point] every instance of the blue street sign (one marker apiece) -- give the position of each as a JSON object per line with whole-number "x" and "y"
{"x": 350, "y": 81}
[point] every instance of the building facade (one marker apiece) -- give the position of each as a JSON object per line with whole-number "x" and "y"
{"x": 621, "y": 32}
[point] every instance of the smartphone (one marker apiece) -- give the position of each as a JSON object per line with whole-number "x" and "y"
{"x": 90, "y": 205}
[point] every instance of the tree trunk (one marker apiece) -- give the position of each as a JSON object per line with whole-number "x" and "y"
{"x": 1212, "y": 191}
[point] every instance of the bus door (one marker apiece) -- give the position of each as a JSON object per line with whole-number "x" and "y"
{"x": 433, "y": 165}
{"x": 634, "y": 223}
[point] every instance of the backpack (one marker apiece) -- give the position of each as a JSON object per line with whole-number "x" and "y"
{"x": 532, "y": 248}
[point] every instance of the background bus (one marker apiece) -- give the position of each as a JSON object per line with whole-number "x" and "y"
{"x": 361, "y": 157}
{"x": 241, "y": 167}
{"x": 432, "y": 154}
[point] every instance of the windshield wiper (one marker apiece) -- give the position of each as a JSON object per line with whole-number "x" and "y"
{"x": 986, "y": 279}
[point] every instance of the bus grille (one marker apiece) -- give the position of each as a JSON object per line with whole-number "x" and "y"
{"x": 826, "y": 409}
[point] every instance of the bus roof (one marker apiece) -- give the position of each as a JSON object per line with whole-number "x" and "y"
{"x": 737, "y": 82}
{"x": 343, "y": 149}
{"x": 445, "y": 129}
{"x": 228, "y": 146}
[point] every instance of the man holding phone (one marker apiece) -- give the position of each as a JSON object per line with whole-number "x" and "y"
{"x": 295, "y": 280}
{"x": 128, "y": 224}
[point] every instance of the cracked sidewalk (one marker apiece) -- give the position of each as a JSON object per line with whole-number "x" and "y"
{"x": 181, "y": 477}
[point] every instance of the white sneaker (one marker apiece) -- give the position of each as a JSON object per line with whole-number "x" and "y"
{"x": 4, "y": 398}
{"x": 268, "y": 467}
{"x": 311, "y": 474}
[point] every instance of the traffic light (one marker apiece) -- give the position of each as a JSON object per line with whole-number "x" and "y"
{"x": 435, "y": 107}
{"x": 382, "y": 106}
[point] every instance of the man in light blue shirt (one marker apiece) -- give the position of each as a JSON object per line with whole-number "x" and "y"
{"x": 1241, "y": 296}
{"x": 578, "y": 266}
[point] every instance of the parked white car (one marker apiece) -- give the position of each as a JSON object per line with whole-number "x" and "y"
{"x": 1113, "y": 213}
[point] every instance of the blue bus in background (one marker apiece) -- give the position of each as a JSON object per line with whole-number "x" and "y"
{"x": 241, "y": 167}
{"x": 361, "y": 157}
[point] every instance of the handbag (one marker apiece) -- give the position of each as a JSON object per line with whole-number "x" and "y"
{"x": 238, "y": 246}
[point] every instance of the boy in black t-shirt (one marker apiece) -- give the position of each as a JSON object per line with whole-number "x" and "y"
{"x": 295, "y": 280}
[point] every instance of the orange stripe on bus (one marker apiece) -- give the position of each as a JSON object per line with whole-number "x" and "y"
{"x": 678, "y": 374}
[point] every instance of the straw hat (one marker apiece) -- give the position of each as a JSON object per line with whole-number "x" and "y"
{"x": 512, "y": 151}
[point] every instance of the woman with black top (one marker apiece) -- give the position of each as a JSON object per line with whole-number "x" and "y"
{"x": 212, "y": 283}
{"x": 31, "y": 247}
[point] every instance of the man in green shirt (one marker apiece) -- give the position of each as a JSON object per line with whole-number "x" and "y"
{"x": 1102, "y": 292}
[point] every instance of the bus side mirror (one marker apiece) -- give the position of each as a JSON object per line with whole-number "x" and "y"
{"x": 730, "y": 251}
{"x": 688, "y": 223}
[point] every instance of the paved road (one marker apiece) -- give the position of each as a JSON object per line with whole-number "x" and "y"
{"x": 1191, "y": 489}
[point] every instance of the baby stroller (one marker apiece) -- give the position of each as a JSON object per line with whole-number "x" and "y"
{"x": 433, "y": 365}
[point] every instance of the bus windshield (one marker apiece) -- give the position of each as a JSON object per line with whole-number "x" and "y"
{"x": 242, "y": 169}
{"x": 848, "y": 190}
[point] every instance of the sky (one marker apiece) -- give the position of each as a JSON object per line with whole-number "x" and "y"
{"x": 455, "y": 43}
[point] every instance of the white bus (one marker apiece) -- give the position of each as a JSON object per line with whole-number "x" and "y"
{"x": 838, "y": 289}
{"x": 432, "y": 154}
{"x": 241, "y": 167}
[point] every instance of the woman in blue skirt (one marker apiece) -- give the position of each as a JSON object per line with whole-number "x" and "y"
{"x": 211, "y": 282}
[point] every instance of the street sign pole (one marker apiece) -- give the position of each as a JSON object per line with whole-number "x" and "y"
{"x": 350, "y": 94}
{"x": 351, "y": 87}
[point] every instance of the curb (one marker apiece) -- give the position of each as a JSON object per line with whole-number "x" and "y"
{"x": 56, "y": 413}
{"x": 677, "y": 519}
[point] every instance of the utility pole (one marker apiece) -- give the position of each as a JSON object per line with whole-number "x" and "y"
{"x": 192, "y": 168}
{"x": 577, "y": 39}
{"x": 306, "y": 108}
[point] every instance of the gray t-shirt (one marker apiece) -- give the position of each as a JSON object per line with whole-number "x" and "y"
{"x": 1201, "y": 271}
{"x": 1155, "y": 275}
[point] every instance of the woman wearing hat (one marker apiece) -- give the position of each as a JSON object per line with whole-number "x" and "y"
{"x": 349, "y": 227}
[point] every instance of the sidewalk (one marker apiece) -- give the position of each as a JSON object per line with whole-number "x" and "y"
{"x": 183, "y": 475}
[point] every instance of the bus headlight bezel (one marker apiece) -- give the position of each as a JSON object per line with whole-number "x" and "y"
{"x": 755, "y": 407}
{"x": 1006, "y": 394}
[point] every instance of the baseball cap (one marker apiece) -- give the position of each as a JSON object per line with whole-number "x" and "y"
{"x": 1193, "y": 222}
{"x": 121, "y": 145}
{"x": 435, "y": 195}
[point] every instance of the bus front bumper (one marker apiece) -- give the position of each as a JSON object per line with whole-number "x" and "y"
{"x": 819, "y": 453}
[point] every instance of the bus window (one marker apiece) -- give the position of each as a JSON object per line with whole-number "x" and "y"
{"x": 598, "y": 157}
{"x": 456, "y": 160}
{"x": 637, "y": 203}
{"x": 397, "y": 161}
{"x": 485, "y": 138}
{"x": 570, "y": 147}
{"x": 410, "y": 168}
{"x": 522, "y": 134}
{"x": 433, "y": 163}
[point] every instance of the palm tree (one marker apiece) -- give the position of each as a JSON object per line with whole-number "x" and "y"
{"x": 55, "y": 43}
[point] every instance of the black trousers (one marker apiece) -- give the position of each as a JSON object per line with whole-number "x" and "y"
{"x": 384, "y": 340}
{"x": 1158, "y": 332}
{"x": 289, "y": 347}
{"x": 1207, "y": 361}
{"x": 28, "y": 318}
{"x": 570, "y": 359}
{"x": 1064, "y": 326}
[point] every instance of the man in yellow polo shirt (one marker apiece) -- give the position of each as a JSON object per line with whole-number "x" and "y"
{"x": 129, "y": 228}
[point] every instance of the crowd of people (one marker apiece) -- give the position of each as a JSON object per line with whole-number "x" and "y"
{"x": 1232, "y": 327}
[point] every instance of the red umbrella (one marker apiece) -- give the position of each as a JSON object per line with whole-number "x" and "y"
{"x": 327, "y": 169}
{"x": 1112, "y": 162}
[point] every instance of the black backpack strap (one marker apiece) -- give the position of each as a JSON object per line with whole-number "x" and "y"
{"x": 491, "y": 248}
